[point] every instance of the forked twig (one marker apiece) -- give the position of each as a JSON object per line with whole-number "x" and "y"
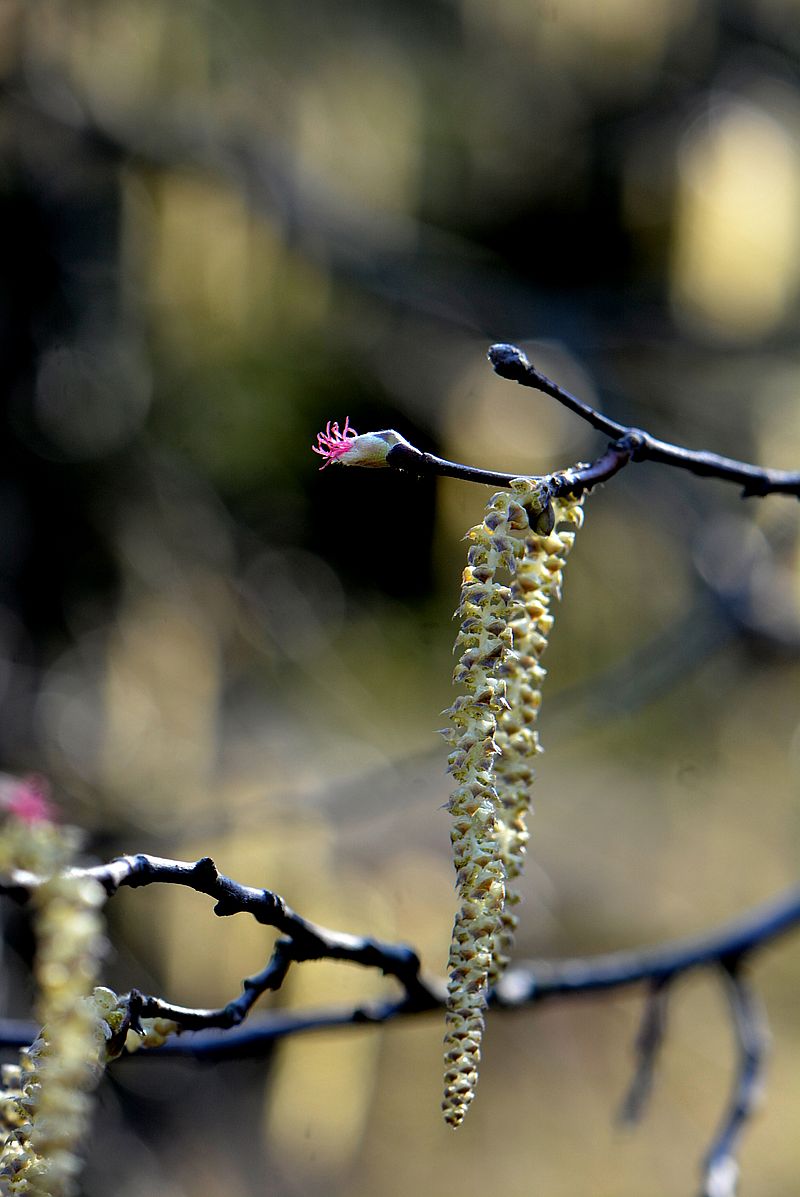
{"x": 510, "y": 362}
{"x": 219, "y": 1033}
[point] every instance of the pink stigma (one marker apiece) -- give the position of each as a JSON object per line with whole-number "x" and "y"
{"x": 333, "y": 444}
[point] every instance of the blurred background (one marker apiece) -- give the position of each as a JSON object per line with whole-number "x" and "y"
{"x": 223, "y": 224}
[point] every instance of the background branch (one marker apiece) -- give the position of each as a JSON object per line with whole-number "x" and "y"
{"x": 739, "y": 939}
{"x": 727, "y": 948}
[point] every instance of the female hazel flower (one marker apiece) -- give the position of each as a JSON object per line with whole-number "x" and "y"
{"x": 345, "y": 447}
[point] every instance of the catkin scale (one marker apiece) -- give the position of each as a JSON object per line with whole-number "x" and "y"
{"x": 502, "y": 635}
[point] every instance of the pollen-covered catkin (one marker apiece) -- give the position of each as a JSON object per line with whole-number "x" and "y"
{"x": 484, "y": 639}
{"x": 503, "y": 632}
{"x": 536, "y": 585}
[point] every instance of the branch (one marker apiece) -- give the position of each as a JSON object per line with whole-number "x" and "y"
{"x": 301, "y": 940}
{"x": 218, "y": 1033}
{"x": 726, "y": 949}
{"x": 627, "y": 444}
{"x": 526, "y": 985}
{"x": 575, "y": 480}
{"x": 510, "y": 362}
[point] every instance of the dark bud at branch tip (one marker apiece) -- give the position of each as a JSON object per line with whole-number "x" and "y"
{"x": 509, "y": 362}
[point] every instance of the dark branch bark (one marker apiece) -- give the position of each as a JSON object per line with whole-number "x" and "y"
{"x": 219, "y": 1035}
{"x": 301, "y": 939}
{"x": 575, "y": 480}
{"x": 510, "y": 362}
{"x": 627, "y": 444}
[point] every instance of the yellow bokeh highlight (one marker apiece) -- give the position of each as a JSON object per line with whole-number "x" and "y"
{"x": 641, "y": 29}
{"x": 121, "y": 53}
{"x": 217, "y": 268}
{"x": 776, "y": 402}
{"x": 321, "y": 1094}
{"x": 357, "y": 126}
{"x": 203, "y": 248}
{"x": 631, "y": 34}
{"x": 737, "y": 233}
{"x": 161, "y": 691}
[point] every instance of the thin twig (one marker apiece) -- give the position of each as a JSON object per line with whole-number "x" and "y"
{"x": 546, "y": 979}
{"x": 302, "y": 940}
{"x": 575, "y": 480}
{"x": 720, "y": 1169}
{"x": 648, "y": 1044}
{"x": 510, "y": 362}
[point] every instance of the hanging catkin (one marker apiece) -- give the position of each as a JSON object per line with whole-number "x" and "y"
{"x": 512, "y": 576}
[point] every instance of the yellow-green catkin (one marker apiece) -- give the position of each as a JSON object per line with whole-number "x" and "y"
{"x": 536, "y": 585}
{"x": 513, "y": 573}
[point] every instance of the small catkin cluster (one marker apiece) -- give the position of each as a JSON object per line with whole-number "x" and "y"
{"x": 513, "y": 573}
{"x": 46, "y": 1100}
